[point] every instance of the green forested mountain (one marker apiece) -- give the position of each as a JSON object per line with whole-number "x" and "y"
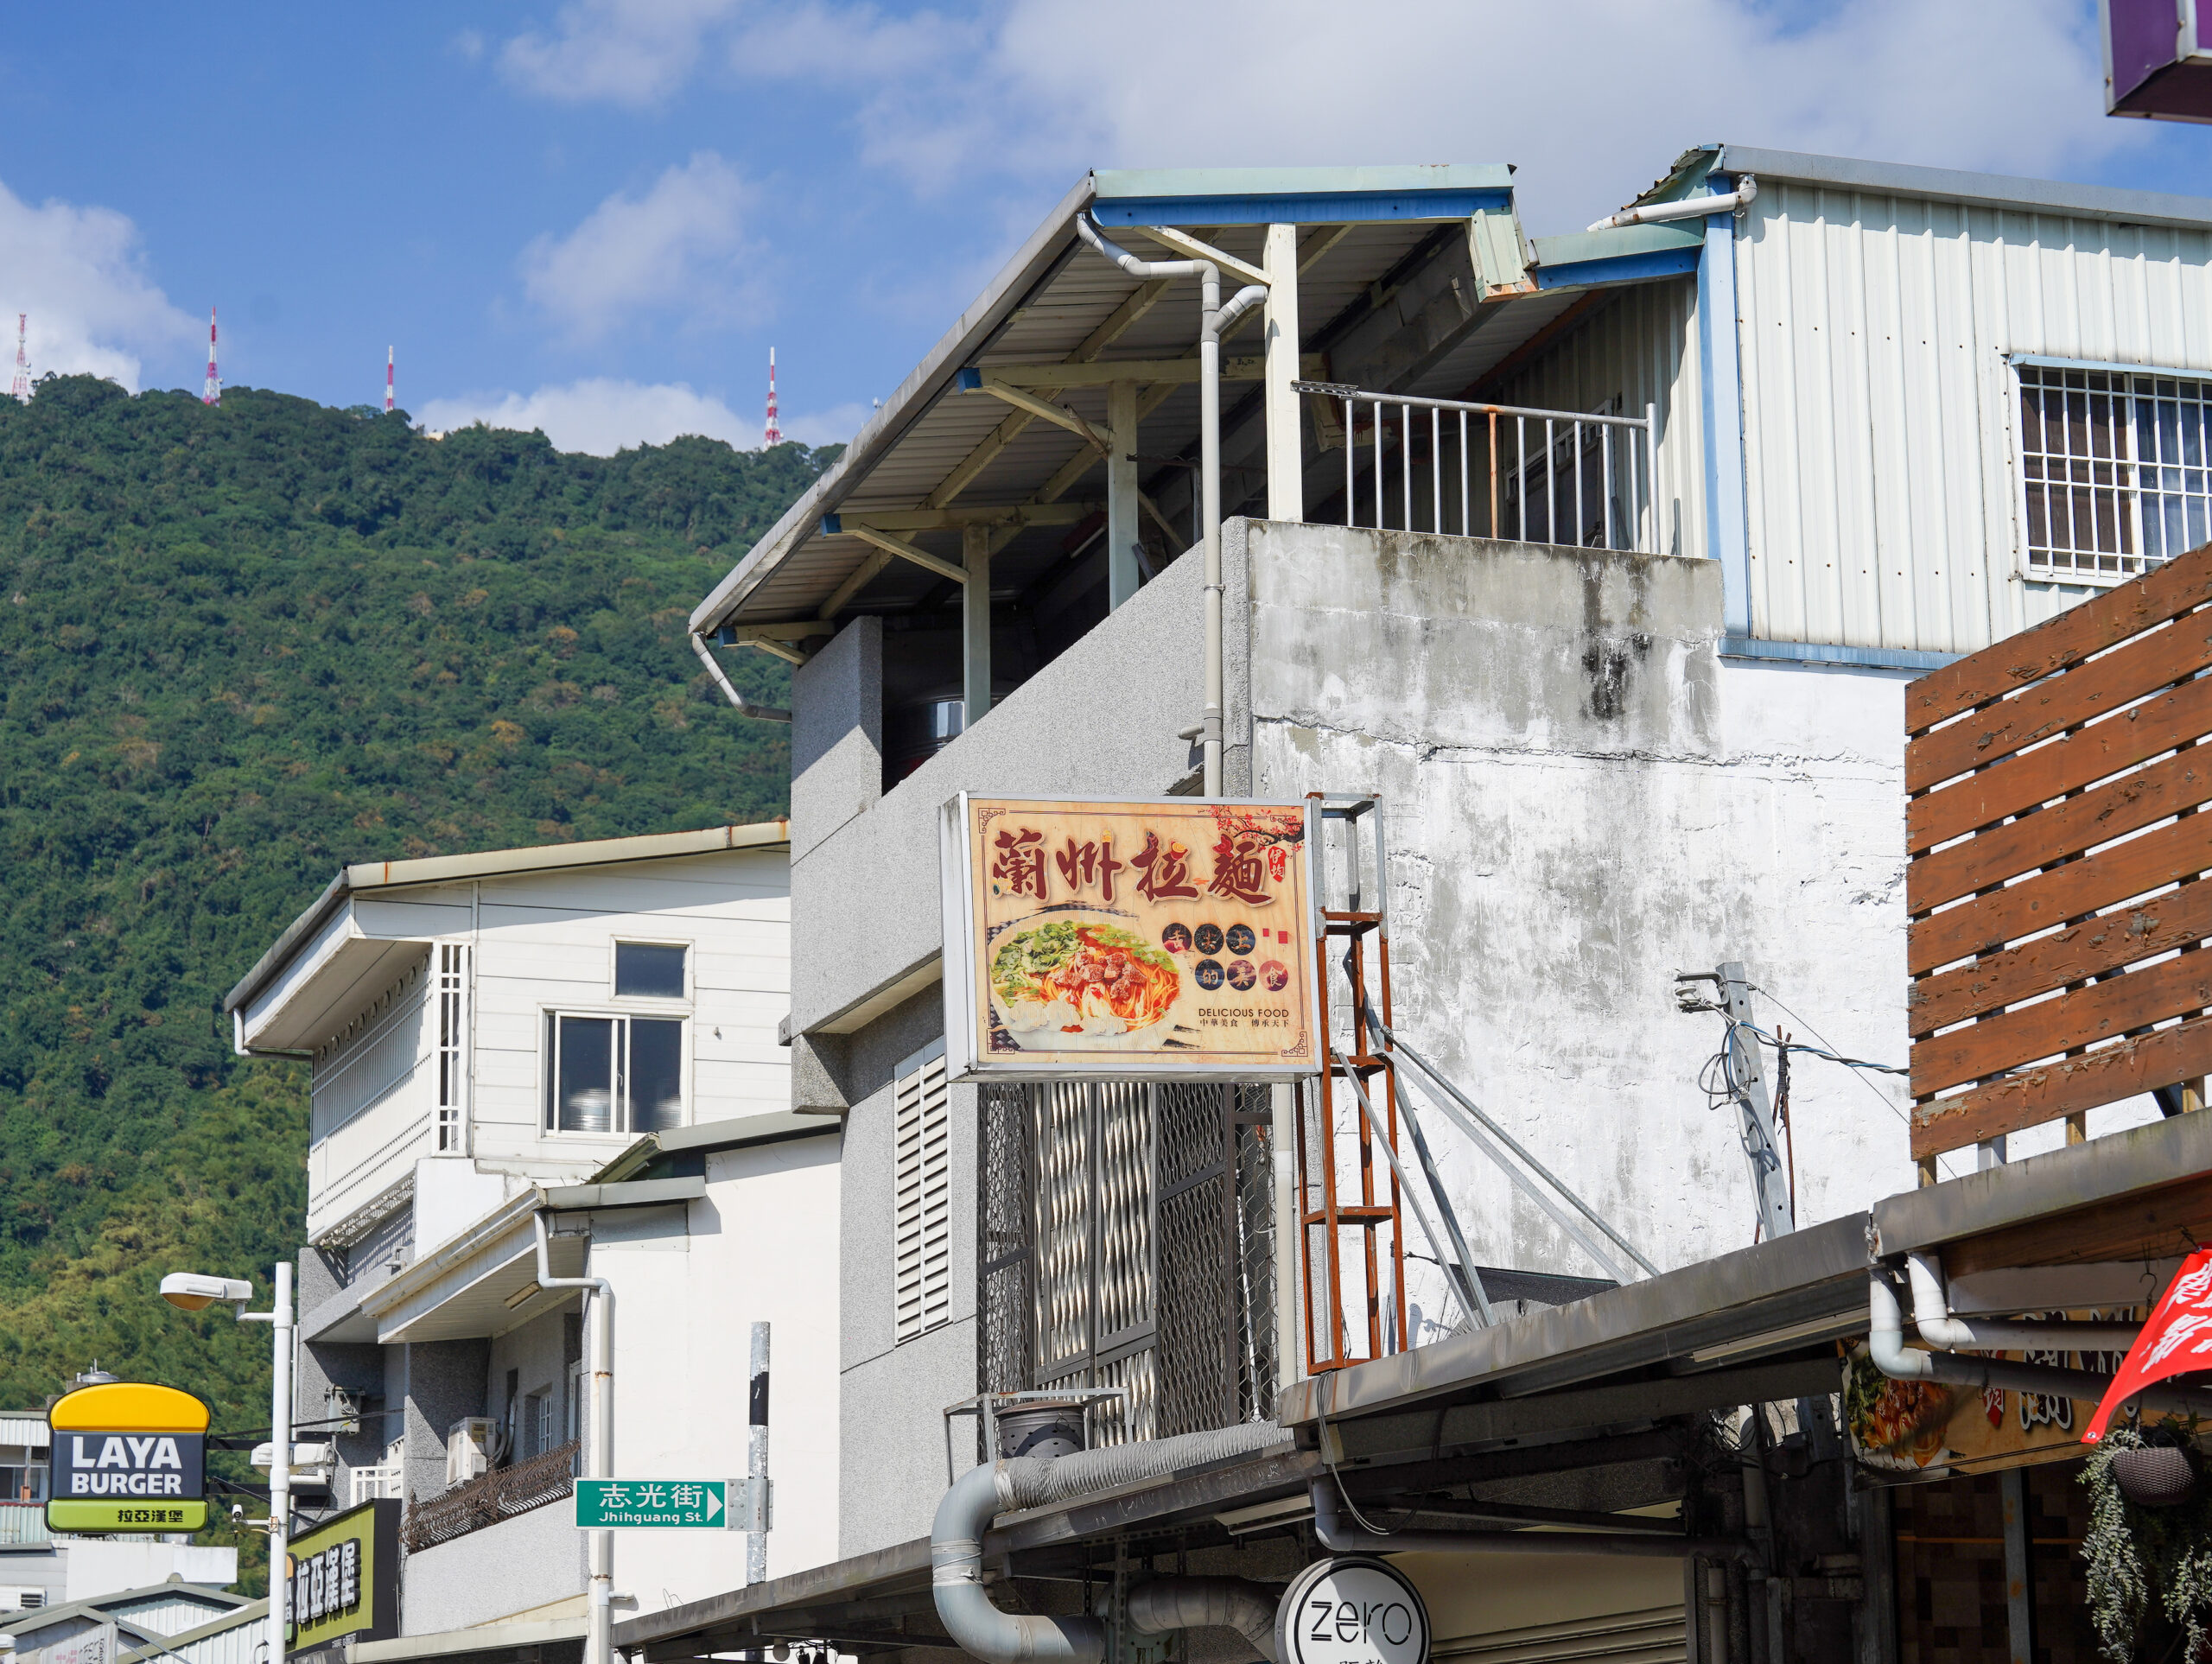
{"x": 241, "y": 646}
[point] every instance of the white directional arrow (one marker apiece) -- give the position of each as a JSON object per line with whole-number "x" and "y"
{"x": 713, "y": 1502}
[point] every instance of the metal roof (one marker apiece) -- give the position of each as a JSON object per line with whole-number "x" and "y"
{"x": 934, "y": 452}
{"x": 1949, "y": 185}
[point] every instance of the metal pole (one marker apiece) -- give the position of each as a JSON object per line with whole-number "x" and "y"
{"x": 756, "y": 1465}
{"x": 1210, "y": 488}
{"x": 280, "y": 1466}
{"x": 2019, "y": 1585}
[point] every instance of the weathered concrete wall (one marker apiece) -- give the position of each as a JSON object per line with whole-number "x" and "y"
{"x": 1583, "y": 798}
{"x": 837, "y": 734}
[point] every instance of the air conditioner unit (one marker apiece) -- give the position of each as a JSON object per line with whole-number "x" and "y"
{"x": 469, "y": 1448}
{"x": 311, "y": 1463}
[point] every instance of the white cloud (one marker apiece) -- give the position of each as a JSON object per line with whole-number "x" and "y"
{"x": 682, "y": 244}
{"x": 632, "y": 52}
{"x": 1592, "y": 100}
{"x": 79, "y": 274}
{"x": 601, "y": 415}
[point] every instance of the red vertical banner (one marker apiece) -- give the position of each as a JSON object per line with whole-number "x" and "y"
{"x": 2177, "y": 1341}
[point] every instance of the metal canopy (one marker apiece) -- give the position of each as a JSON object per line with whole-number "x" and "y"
{"x": 940, "y": 454}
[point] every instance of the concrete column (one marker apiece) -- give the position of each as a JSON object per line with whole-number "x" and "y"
{"x": 1122, "y": 524}
{"x": 1286, "y": 464}
{"x": 975, "y": 623}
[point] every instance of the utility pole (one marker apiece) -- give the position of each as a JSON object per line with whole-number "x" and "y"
{"x": 1747, "y": 1085}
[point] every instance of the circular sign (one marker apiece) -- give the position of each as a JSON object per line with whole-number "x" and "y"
{"x": 1351, "y": 1610}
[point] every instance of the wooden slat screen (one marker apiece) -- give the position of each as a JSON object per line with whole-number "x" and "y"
{"x": 2054, "y": 846}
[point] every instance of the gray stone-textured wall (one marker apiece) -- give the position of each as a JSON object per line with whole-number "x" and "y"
{"x": 1099, "y": 720}
{"x": 837, "y": 734}
{"x": 891, "y": 1462}
{"x": 445, "y": 1382}
{"x": 517, "y": 1565}
{"x": 1583, "y": 798}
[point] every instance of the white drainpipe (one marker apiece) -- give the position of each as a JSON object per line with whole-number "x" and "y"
{"x": 1686, "y": 207}
{"x": 1931, "y": 1316}
{"x": 1213, "y": 319}
{"x": 599, "y": 1635}
{"x": 745, "y": 706}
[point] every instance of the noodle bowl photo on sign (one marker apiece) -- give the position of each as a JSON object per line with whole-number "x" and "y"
{"x": 1089, "y": 938}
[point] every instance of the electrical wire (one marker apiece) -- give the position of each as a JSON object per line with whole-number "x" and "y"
{"x": 1769, "y": 994}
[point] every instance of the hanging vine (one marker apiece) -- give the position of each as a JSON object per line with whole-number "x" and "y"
{"x": 2145, "y": 1561}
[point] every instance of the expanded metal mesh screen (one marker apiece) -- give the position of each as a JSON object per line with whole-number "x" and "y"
{"x": 1127, "y": 1241}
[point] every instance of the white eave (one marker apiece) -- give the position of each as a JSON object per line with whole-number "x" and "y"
{"x": 325, "y": 965}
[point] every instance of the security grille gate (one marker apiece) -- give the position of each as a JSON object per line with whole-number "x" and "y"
{"x": 1127, "y": 1241}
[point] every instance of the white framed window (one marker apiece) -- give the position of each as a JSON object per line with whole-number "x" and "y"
{"x": 612, "y": 1073}
{"x": 922, "y": 1215}
{"x": 652, "y": 970}
{"x": 452, "y": 1044}
{"x": 2115, "y": 468}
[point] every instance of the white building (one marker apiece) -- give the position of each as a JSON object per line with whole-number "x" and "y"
{"x": 581, "y": 1039}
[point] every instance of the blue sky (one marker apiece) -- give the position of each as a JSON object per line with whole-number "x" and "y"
{"x": 597, "y": 217}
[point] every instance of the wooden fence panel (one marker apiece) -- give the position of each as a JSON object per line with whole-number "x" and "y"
{"x": 2056, "y": 849}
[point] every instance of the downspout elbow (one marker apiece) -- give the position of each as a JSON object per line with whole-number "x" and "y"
{"x": 1885, "y": 1335}
{"x": 1087, "y": 229}
{"x": 745, "y": 706}
{"x": 1238, "y": 304}
{"x": 963, "y": 1606}
{"x": 1931, "y": 1316}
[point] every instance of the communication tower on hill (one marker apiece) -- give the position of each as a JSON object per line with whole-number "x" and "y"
{"x": 22, "y": 389}
{"x": 773, "y": 434}
{"x": 212, "y": 392}
{"x": 387, "y": 378}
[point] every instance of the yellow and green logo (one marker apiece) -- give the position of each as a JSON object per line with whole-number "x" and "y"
{"x": 128, "y": 1456}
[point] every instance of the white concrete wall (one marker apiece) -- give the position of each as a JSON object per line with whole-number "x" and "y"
{"x": 542, "y": 941}
{"x": 689, "y": 1284}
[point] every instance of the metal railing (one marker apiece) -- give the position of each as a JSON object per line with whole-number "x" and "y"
{"x": 491, "y": 1498}
{"x": 1580, "y": 477}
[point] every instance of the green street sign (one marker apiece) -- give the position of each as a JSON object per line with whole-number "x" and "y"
{"x": 619, "y": 1504}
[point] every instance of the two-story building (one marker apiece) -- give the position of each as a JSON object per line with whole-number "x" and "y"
{"x": 1600, "y": 562}
{"x": 577, "y": 1043}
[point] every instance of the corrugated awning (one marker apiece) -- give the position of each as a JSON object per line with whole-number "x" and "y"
{"x": 1411, "y": 279}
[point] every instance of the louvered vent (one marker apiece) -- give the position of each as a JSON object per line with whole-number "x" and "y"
{"x": 924, "y": 1211}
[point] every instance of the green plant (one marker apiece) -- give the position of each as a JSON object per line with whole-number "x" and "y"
{"x": 2145, "y": 1564}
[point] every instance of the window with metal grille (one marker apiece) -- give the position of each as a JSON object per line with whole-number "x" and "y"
{"x": 922, "y": 1219}
{"x": 2116, "y": 468}
{"x": 452, "y": 1061}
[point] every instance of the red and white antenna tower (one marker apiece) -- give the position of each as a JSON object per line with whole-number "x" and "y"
{"x": 22, "y": 389}
{"x": 773, "y": 434}
{"x": 387, "y": 378}
{"x": 212, "y": 392}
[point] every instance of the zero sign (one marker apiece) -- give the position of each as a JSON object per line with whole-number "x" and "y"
{"x": 1351, "y": 1610}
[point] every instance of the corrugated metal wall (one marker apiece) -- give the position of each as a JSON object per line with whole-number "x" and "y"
{"x": 1881, "y": 484}
{"x": 1640, "y": 348}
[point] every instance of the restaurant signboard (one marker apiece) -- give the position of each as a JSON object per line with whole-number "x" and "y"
{"x": 1164, "y": 940}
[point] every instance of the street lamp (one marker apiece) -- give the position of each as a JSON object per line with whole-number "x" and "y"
{"x": 190, "y": 1292}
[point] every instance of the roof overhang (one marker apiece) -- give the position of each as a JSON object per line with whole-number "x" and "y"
{"x": 1416, "y": 280}
{"x": 2134, "y": 1195}
{"x": 314, "y": 949}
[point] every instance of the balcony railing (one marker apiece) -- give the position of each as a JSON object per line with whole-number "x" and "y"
{"x": 1578, "y": 477}
{"x": 489, "y": 1498}
{"x": 23, "y": 1523}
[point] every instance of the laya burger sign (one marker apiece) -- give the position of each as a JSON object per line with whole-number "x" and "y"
{"x": 128, "y": 1456}
{"x": 346, "y": 1577}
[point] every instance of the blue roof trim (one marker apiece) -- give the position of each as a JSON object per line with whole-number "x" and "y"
{"x": 2107, "y": 366}
{"x": 1617, "y": 269}
{"x": 1813, "y": 652}
{"x": 1304, "y": 208}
